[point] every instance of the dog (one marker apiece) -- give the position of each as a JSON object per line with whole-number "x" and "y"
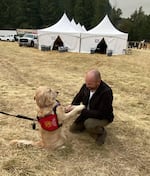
{"x": 51, "y": 116}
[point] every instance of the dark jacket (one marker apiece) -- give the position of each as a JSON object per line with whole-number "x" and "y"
{"x": 100, "y": 105}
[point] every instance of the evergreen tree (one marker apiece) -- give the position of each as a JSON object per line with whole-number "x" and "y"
{"x": 67, "y": 6}
{"x": 49, "y": 11}
{"x": 115, "y": 15}
{"x": 7, "y": 14}
{"x": 43, "y": 13}
{"x": 138, "y": 20}
{"x": 146, "y": 33}
{"x": 102, "y": 7}
{"x": 79, "y": 11}
{"x": 88, "y": 15}
{"x": 23, "y": 14}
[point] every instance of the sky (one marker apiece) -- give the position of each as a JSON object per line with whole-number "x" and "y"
{"x": 128, "y": 7}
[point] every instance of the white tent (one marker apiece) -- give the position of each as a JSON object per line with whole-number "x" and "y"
{"x": 84, "y": 29}
{"x": 75, "y": 25}
{"x": 115, "y": 40}
{"x": 65, "y": 30}
{"x": 78, "y": 26}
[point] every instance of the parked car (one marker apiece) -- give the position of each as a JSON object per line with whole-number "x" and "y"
{"x": 10, "y": 38}
{"x": 28, "y": 40}
{"x": 17, "y": 37}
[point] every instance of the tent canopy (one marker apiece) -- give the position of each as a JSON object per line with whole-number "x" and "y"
{"x": 63, "y": 25}
{"x": 105, "y": 27}
{"x": 77, "y": 39}
{"x": 67, "y": 33}
{"x": 115, "y": 39}
{"x": 78, "y": 26}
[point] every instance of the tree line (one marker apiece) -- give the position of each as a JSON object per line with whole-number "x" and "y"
{"x": 37, "y": 14}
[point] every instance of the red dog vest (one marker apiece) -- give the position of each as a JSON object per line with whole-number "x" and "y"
{"x": 49, "y": 122}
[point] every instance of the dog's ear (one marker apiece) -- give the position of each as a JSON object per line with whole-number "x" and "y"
{"x": 40, "y": 100}
{"x": 50, "y": 97}
{"x": 39, "y": 97}
{"x": 47, "y": 99}
{"x": 50, "y": 91}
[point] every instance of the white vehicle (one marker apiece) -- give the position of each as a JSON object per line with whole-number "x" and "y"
{"x": 10, "y": 38}
{"x": 8, "y": 35}
{"x": 29, "y": 40}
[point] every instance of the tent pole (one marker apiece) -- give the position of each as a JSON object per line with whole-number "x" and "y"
{"x": 80, "y": 44}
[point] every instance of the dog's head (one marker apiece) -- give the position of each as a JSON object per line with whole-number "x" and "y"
{"x": 45, "y": 97}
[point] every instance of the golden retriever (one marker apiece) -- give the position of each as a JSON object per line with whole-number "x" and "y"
{"x": 51, "y": 116}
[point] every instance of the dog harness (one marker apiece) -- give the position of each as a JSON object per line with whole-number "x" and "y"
{"x": 50, "y": 122}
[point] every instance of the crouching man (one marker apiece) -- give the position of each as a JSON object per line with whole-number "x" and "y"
{"x": 97, "y": 96}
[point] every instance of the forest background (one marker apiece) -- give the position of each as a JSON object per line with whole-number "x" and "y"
{"x": 37, "y": 14}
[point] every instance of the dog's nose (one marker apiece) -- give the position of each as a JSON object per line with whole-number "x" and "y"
{"x": 57, "y": 92}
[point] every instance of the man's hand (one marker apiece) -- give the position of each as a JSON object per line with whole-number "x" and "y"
{"x": 68, "y": 108}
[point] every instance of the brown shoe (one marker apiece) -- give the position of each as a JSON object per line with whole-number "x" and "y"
{"x": 100, "y": 140}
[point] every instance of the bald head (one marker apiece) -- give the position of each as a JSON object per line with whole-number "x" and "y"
{"x": 93, "y": 79}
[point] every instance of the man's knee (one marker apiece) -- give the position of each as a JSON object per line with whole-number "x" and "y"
{"x": 95, "y": 125}
{"x": 77, "y": 127}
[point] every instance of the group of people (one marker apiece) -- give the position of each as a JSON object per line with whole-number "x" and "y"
{"x": 97, "y": 96}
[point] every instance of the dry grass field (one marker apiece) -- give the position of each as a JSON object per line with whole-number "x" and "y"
{"x": 127, "y": 148}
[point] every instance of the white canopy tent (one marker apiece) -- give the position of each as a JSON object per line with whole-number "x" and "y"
{"x": 76, "y": 39}
{"x": 66, "y": 32}
{"x": 115, "y": 40}
{"x": 78, "y": 26}
{"x": 75, "y": 25}
{"x": 84, "y": 29}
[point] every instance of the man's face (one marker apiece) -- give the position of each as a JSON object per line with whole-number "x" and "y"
{"x": 91, "y": 82}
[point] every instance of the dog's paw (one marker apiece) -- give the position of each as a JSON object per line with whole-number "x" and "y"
{"x": 81, "y": 107}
